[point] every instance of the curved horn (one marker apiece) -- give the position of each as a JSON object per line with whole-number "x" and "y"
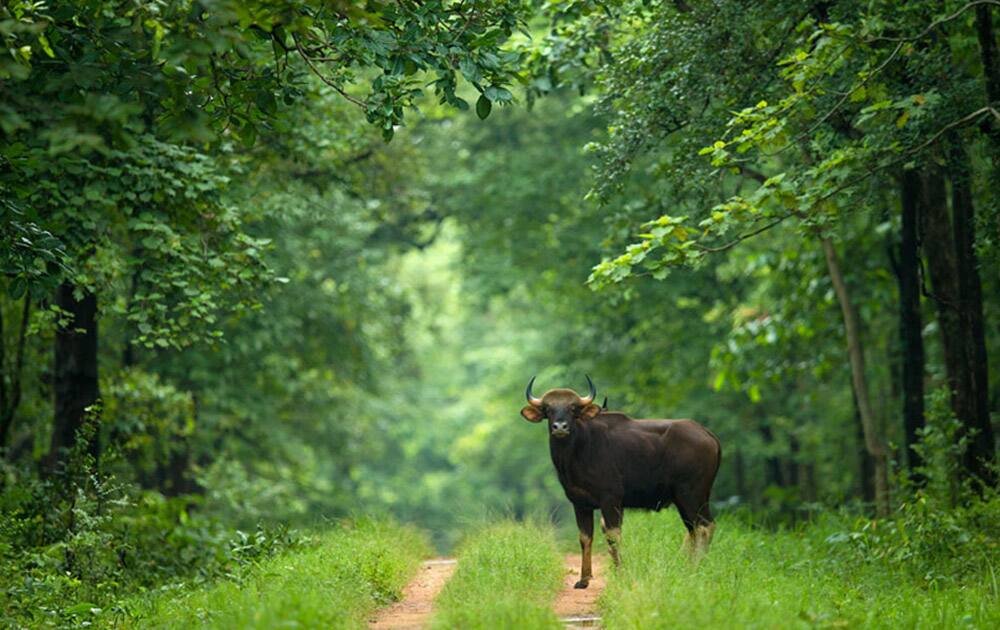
{"x": 593, "y": 392}
{"x": 535, "y": 402}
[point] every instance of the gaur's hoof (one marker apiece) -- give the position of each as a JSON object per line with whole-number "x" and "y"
{"x": 581, "y": 584}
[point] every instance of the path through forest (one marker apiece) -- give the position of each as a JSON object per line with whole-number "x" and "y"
{"x": 413, "y": 611}
{"x": 577, "y": 608}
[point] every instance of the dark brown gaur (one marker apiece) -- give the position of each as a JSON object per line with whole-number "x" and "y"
{"x": 608, "y": 461}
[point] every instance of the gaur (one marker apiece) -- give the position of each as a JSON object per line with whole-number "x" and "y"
{"x": 608, "y": 461}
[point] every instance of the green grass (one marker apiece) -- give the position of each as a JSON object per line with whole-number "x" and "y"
{"x": 507, "y": 576}
{"x": 334, "y": 583}
{"x": 754, "y": 578}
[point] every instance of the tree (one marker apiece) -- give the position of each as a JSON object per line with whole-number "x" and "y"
{"x": 821, "y": 100}
{"x": 123, "y": 89}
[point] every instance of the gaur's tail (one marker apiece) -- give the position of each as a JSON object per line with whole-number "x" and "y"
{"x": 718, "y": 464}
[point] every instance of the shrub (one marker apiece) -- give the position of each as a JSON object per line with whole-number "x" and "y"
{"x": 78, "y": 543}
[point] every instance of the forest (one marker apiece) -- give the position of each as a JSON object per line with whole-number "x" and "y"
{"x": 274, "y": 275}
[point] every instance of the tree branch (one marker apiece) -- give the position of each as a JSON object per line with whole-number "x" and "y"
{"x": 964, "y": 120}
{"x": 760, "y": 177}
{"x": 315, "y": 70}
{"x": 743, "y": 237}
{"x": 936, "y": 23}
{"x": 752, "y": 173}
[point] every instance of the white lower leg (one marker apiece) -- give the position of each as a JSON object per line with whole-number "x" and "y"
{"x": 614, "y": 537}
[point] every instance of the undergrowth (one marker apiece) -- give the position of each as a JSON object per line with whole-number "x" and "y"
{"x": 809, "y": 577}
{"x": 335, "y": 581}
{"x": 81, "y": 548}
{"x": 76, "y": 544}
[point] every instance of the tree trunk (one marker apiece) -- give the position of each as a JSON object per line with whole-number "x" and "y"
{"x": 855, "y": 352}
{"x": 959, "y": 307}
{"x": 980, "y": 456}
{"x": 793, "y": 463}
{"x": 910, "y": 323}
{"x": 988, "y": 55}
{"x": 809, "y": 490}
{"x": 866, "y": 466}
{"x": 75, "y": 370}
{"x": 10, "y": 382}
{"x": 773, "y": 475}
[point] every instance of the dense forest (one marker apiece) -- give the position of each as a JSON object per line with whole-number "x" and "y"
{"x": 276, "y": 269}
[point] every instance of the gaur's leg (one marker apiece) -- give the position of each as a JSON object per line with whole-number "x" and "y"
{"x": 705, "y": 527}
{"x": 687, "y": 518}
{"x": 585, "y": 523}
{"x": 611, "y": 523}
{"x": 697, "y": 516}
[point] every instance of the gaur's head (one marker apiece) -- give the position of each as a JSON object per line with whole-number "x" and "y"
{"x": 563, "y": 408}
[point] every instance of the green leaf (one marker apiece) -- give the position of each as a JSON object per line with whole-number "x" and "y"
{"x": 483, "y": 107}
{"x": 248, "y": 135}
{"x": 17, "y": 288}
{"x": 46, "y": 46}
{"x": 720, "y": 380}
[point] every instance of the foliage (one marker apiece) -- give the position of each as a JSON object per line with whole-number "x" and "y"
{"x": 232, "y": 65}
{"x": 943, "y": 530}
{"x": 941, "y": 446}
{"x": 75, "y": 547}
{"x": 29, "y": 255}
{"x": 147, "y": 422}
{"x": 507, "y": 574}
{"x": 930, "y": 543}
{"x": 836, "y": 99}
{"x": 333, "y": 581}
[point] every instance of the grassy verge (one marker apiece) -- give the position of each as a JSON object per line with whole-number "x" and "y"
{"x": 335, "y": 582}
{"x": 763, "y": 579}
{"x": 507, "y": 577}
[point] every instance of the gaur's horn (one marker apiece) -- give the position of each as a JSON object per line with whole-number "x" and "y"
{"x": 593, "y": 392}
{"x": 535, "y": 402}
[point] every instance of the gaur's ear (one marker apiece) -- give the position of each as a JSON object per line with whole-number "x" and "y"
{"x": 532, "y": 414}
{"x": 590, "y": 411}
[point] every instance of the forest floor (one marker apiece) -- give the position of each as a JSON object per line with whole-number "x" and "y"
{"x": 576, "y": 608}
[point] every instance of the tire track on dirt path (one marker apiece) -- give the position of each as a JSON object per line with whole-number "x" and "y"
{"x": 577, "y": 607}
{"x": 413, "y": 611}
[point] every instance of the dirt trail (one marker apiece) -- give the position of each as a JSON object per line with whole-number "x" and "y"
{"x": 577, "y": 607}
{"x": 414, "y": 610}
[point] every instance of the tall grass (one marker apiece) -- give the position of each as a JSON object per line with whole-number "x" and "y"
{"x": 334, "y": 583}
{"x": 507, "y": 576}
{"x": 787, "y": 579}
